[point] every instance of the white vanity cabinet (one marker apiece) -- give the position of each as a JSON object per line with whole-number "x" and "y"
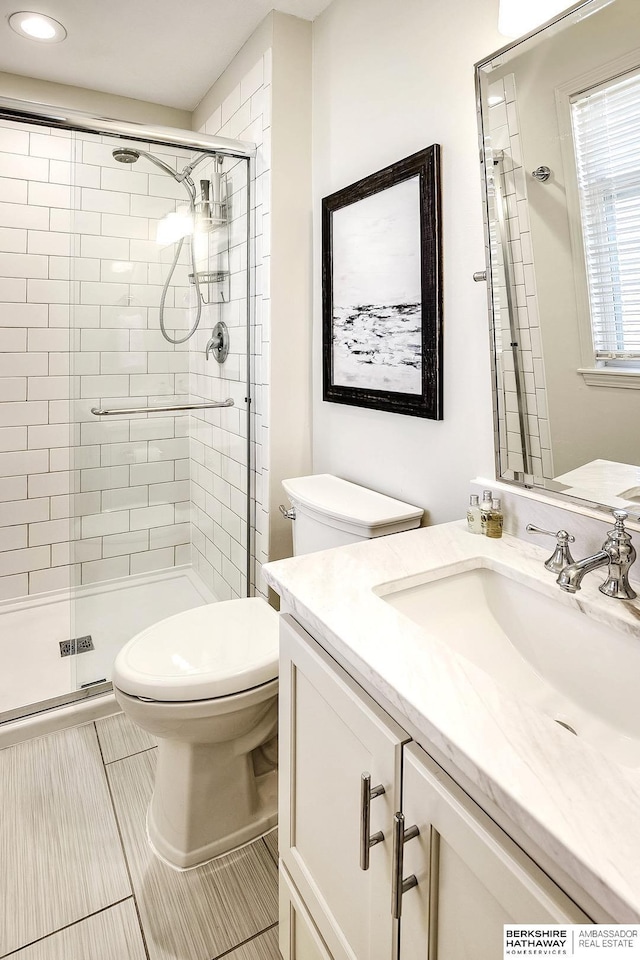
{"x": 471, "y": 877}
{"x": 329, "y": 736}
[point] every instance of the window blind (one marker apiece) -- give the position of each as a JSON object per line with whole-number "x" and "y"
{"x": 606, "y": 130}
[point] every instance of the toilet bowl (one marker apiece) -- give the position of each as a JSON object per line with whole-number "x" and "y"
{"x": 205, "y": 683}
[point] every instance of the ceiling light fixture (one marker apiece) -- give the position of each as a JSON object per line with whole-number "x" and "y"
{"x": 517, "y": 17}
{"x": 36, "y": 26}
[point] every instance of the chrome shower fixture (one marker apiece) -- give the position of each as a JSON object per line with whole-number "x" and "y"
{"x": 125, "y": 155}
{"x": 130, "y": 155}
{"x": 218, "y": 345}
{"x": 541, "y": 173}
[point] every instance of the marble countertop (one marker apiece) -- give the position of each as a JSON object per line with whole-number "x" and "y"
{"x": 606, "y": 481}
{"x": 576, "y": 803}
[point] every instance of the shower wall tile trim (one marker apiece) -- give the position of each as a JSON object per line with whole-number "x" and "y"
{"x": 77, "y": 228}
{"x": 218, "y": 443}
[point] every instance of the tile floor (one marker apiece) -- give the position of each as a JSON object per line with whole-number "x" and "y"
{"x": 78, "y": 879}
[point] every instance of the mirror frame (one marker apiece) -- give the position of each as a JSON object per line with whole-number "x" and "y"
{"x": 554, "y": 25}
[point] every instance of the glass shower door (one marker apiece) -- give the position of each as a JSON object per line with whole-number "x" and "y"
{"x": 38, "y": 670}
{"x": 160, "y": 499}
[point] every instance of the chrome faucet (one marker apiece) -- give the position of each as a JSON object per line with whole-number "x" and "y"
{"x": 617, "y": 554}
{"x": 561, "y": 556}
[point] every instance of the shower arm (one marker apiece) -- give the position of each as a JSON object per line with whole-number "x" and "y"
{"x": 188, "y": 170}
{"x": 171, "y": 408}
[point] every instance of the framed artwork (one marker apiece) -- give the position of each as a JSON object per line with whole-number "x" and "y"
{"x": 382, "y": 290}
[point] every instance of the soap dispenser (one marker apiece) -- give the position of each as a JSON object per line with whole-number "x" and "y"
{"x": 474, "y": 521}
{"x": 485, "y": 509}
{"x": 493, "y": 527}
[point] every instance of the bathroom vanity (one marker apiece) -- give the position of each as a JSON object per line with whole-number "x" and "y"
{"x": 393, "y": 668}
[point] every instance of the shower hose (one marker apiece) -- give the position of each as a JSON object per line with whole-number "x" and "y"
{"x": 165, "y": 289}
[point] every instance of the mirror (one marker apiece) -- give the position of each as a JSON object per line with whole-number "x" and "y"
{"x": 559, "y": 118}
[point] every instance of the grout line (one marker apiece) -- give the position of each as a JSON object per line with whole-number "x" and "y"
{"x": 243, "y": 943}
{"x": 273, "y": 857}
{"x": 136, "y": 753}
{"x": 67, "y": 926}
{"x": 124, "y": 852}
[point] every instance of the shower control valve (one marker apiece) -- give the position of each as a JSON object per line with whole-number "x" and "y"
{"x": 218, "y": 345}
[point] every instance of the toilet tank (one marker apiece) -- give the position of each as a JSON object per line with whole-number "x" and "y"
{"x": 330, "y": 512}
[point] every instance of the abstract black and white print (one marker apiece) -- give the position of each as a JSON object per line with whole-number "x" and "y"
{"x": 377, "y": 292}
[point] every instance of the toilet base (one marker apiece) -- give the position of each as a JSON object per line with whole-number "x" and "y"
{"x": 208, "y": 798}
{"x": 213, "y": 789}
{"x": 264, "y": 820}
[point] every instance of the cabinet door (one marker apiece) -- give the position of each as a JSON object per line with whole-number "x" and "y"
{"x": 472, "y": 878}
{"x": 299, "y": 938}
{"x": 331, "y": 733}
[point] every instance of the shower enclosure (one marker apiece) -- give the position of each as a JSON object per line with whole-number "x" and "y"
{"x": 125, "y": 391}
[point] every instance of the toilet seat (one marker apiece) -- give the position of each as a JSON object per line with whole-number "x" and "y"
{"x": 216, "y": 650}
{"x": 140, "y": 707}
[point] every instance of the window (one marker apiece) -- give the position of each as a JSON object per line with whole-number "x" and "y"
{"x": 606, "y": 130}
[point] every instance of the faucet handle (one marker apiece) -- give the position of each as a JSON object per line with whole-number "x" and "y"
{"x": 619, "y": 532}
{"x": 622, "y": 554}
{"x": 561, "y": 556}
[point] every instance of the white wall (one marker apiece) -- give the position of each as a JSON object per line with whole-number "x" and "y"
{"x": 391, "y": 78}
{"x": 91, "y": 101}
{"x": 290, "y": 266}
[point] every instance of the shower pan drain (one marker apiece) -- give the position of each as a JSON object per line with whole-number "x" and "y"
{"x": 76, "y": 645}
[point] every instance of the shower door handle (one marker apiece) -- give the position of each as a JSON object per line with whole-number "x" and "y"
{"x": 171, "y": 408}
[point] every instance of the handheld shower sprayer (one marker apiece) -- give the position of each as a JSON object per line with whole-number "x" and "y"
{"x": 126, "y": 155}
{"x": 130, "y": 155}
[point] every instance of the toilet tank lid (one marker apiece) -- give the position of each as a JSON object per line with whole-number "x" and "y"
{"x": 342, "y": 500}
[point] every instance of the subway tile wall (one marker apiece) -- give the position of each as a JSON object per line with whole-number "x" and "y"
{"x": 81, "y": 275}
{"x": 505, "y": 137}
{"x": 219, "y": 440}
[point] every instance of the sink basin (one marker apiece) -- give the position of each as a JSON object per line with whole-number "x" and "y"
{"x": 633, "y": 494}
{"x": 581, "y": 673}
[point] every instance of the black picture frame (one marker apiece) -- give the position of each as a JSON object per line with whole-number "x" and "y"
{"x": 374, "y": 355}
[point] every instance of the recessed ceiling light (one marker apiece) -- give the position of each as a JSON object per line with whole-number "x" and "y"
{"x": 35, "y": 26}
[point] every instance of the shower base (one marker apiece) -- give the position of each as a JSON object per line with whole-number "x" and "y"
{"x": 37, "y": 683}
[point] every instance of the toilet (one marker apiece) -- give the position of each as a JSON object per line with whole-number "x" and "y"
{"x": 205, "y": 682}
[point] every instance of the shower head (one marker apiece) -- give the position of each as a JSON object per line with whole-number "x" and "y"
{"x": 129, "y": 155}
{"x": 125, "y": 155}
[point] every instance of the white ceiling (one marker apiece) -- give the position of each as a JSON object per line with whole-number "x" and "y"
{"x": 162, "y": 51}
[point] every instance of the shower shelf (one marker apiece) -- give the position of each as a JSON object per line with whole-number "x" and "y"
{"x": 213, "y": 276}
{"x": 171, "y": 408}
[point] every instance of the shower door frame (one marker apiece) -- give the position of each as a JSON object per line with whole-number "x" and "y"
{"x": 42, "y": 114}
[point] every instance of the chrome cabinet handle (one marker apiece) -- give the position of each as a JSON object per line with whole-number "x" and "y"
{"x": 367, "y": 794}
{"x": 399, "y": 884}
